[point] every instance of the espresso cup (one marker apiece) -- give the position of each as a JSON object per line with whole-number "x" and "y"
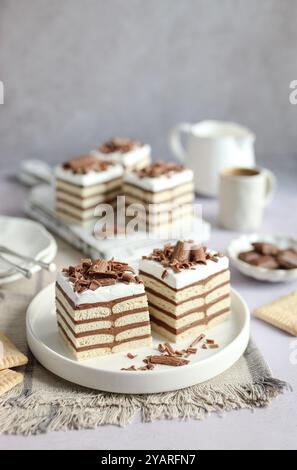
{"x": 243, "y": 194}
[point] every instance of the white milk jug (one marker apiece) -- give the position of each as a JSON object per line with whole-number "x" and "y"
{"x": 210, "y": 147}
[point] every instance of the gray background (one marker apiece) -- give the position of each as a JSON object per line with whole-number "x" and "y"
{"x": 77, "y": 72}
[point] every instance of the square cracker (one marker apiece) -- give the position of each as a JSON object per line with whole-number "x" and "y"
{"x": 281, "y": 313}
{"x": 9, "y": 379}
{"x": 10, "y": 356}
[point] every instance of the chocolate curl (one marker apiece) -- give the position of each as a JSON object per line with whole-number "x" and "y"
{"x": 85, "y": 164}
{"x": 119, "y": 144}
{"x": 181, "y": 252}
{"x": 167, "y": 360}
{"x": 159, "y": 169}
{"x": 198, "y": 254}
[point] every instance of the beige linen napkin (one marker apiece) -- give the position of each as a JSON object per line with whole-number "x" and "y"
{"x": 44, "y": 402}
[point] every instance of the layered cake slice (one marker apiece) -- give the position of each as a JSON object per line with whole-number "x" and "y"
{"x": 102, "y": 308}
{"x": 82, "y": 184}
{"x": 131, "y": 154}
{"x": 188, "y": 289}
{"x": 166, "y": 190}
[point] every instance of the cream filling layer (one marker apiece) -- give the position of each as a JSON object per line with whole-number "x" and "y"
{"x": 176, "y": 205}
{"x": 190, "y": 332}
{"x": 103, "y": 338}
{"x": 160, "y": 183}
{"x": 83, "y": 192}
{"x": 102, "y": 351}
{"x": 102, "y": 312}
{"x": 88, "y": 202}
{"x": 91, "y": 178}
{"x": 193, "y": 317}
{"x": 118, "y": 292}
{"x": 186, "y": 277}
{"x": 194, "y": 290}
{"x": 79, "y": 214}
{"x": 158, "y": 197}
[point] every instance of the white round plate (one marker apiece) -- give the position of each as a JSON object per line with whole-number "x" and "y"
{"x": 105, "y": 373}
{"x": 244, "y": 242}
{"x": 28, "y": 238}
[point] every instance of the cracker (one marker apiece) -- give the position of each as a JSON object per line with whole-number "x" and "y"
{"x": 9, "y": 379}
{"x": 281, "y": 313}
{"x": 10, "y": 356}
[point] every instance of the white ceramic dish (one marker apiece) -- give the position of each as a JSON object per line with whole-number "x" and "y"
{"x": 243, "y": 243}
{"x": 105, "y": 373}
{"x": 28, "y": 238}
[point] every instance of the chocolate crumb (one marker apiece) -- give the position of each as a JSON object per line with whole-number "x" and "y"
{"x": 197, "y": 340}
{"x": 131, "y": 368}
{"x": 131, "y": 356}
{"x": 164, "y": 274}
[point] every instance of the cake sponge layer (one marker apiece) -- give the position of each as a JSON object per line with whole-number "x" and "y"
{"x": 191, "y": 332}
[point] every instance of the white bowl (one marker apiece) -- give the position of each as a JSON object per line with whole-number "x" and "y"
{"x": 244, "y": 242}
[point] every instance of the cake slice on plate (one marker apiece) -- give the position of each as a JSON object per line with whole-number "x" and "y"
{"x": 166, "y": 190}
{"x": 82, "y": 184}
{"x": 188, "y": 289}
{"x": 102, "y": 308}
{"x": 130, "y": 153}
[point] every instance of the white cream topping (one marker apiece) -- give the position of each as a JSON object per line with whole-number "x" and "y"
{"x": 186, "y": 276}
{"x": 102, "y": 294}
{"x": 127, "y": 158}
{"x": 91, "y": 178}
{"x": 160, "y": 183}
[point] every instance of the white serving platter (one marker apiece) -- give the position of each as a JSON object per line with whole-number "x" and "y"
{"x": 41, "y": 206}
{"x": 244, "y": 242}
{"x": 28, "y": 238}
{"x": 105, "y": 373}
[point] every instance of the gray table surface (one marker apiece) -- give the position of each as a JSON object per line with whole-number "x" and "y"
{"x": 273, "y": 427}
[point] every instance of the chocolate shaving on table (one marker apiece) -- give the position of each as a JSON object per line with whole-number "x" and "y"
{"x": 158, "y": 169}
{"x": 119, "y": 144}
{"x": 212, "y": 346}
{"x": 183, "y": 255}
{"x": 92, "y": 275}
{"x": 167, "y": 360}
{"x": 210, "y": 341}
{"x": 85, "y": 164}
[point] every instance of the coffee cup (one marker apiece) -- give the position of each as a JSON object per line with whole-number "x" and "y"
{"x": 243, "y": 195}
